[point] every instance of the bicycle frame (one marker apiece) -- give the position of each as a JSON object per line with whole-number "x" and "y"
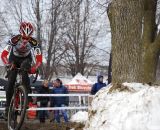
{"x": 18, "y": 103}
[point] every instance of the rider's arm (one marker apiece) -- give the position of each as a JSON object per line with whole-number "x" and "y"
{"x": 5, "y": 53}
{"x": 38, "y": 56}
{"x": 12, "y": 42}
{"x": 38, "y": 59}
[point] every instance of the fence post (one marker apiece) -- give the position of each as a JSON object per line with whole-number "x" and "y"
{"x": 79, "y": 97}
{"x": 84, "y": 100}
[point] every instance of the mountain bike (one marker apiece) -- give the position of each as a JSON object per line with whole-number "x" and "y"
{"x": 19, "y": 103}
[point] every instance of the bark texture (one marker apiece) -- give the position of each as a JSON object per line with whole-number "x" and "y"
{"x": 126, "y": 28}
{"x": 135, "y": 41}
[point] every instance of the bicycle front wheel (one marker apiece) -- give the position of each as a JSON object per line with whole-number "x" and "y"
{"x": 17, "y": 109}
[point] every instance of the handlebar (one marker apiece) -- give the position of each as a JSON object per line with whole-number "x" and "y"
{"x": 34, "y": 80}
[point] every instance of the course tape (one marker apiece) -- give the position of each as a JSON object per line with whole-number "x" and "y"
{"x": 54, "y": 95}
{"x": 55, "y": 108}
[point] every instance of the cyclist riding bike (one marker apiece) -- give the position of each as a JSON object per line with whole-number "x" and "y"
{"x": 21, "y": 51}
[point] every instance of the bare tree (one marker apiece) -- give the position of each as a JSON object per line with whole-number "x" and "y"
{"x": 78, "y": 34}
{"x": 5, "y": 29}
{"x": 55, "y": 49}
{"x": 36, "y": 7}
{"x": 64, "y": 29}
{"x": 15, "y": 9}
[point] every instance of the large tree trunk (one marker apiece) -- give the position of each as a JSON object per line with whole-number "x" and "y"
{"x": 135, "y": 41}
{"x": 150, "y": 62}
{"x": 126, "y": 29}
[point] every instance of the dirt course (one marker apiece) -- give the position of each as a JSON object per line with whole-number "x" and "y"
{"x": 45, "y": 126}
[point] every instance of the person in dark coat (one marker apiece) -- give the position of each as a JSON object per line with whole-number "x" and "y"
{"x": 97, "y": 86}
{"x": 43, "y": 101}
{"x": 60, "y": 101}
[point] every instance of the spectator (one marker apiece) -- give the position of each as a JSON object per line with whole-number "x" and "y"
{"x": 60, "y": 101}
{"x": 97, "y": 86}
{"x": 43, "y": 101}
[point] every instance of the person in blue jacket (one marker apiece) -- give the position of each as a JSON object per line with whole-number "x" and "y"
{"x": 97, "y": 86}
{"x": 60, "y": 101}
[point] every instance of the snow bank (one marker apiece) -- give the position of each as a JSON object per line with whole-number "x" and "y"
{"x": 137, "y": 110}
{"x": 80, "y": 117}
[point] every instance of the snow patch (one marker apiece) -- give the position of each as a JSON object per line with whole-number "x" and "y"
{"x": 137, "y": 110}
{"x": 80, "y": 117}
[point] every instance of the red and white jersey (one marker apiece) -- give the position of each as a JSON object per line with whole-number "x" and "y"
{"x": 22, "y": 48}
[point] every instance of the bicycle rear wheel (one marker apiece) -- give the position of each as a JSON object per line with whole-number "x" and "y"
{"x": 17, "y": 109}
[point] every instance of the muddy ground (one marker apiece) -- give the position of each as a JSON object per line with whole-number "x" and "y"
{"x": 45, "y": 126}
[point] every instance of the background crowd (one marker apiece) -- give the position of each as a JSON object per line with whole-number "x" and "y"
{"x": 57, "y": 87}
